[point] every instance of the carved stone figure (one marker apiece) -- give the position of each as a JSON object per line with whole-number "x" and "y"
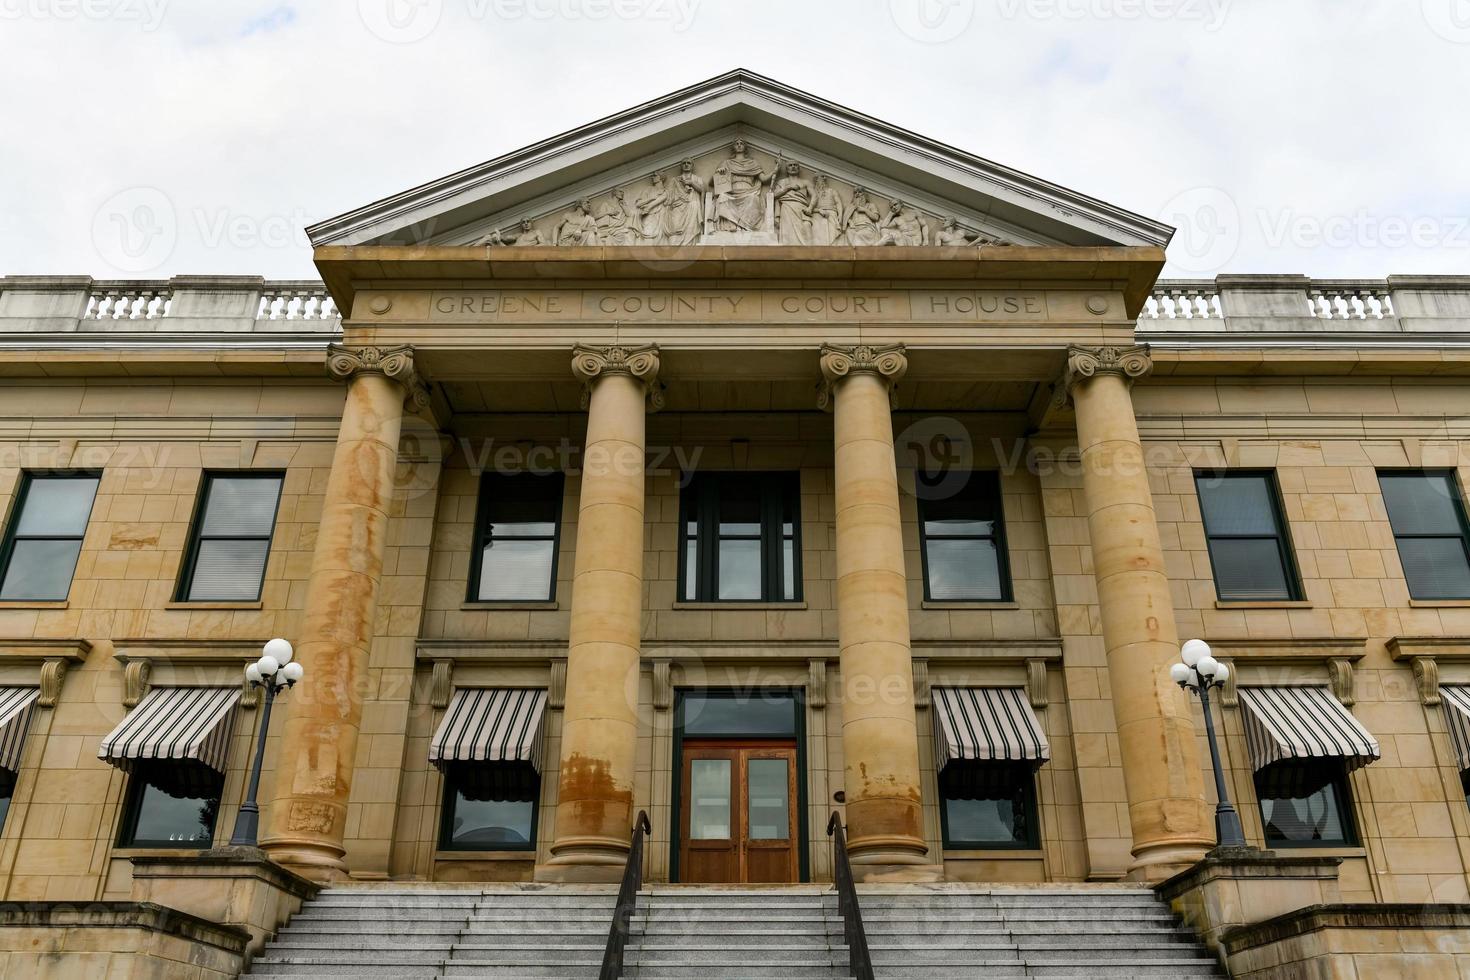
{"x": 739, "y": 201}
{"x": 579, "y": 227}
{"x": 527, "y": 235}
{"x": 652, "y": 206}
{"x": 953, "y": 234}
{"x": 860, "y": 223}
{"x": 615, "y": 225}
{"x": 826, "y": 214}
{"x": 684, "y": 222}
{"x": 903, "y": 227}
{"x": 793, "y": 195}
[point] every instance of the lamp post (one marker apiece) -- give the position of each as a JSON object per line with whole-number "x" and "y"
{"x": 1200, "y": 672}
{"x": 275, "y": 671}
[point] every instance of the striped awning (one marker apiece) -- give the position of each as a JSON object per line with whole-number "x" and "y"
{"x": 488, "y": 724}
{"x": 1302, "y": 723}
{"x": 987, "y": 724}
{"x": 176, "y": 723}
{"x": 16, "y": 706}
{"x": 1456, "y": 701}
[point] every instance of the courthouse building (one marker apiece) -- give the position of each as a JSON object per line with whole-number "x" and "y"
{"x": 739, "y": 459}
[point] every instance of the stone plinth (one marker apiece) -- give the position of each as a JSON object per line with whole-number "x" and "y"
{"x": 235, "y": 886}
{"x": 117, "y": 940}
{"x": 1425, "y": 942}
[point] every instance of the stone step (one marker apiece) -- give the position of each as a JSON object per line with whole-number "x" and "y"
{"x": 816, "y": 924}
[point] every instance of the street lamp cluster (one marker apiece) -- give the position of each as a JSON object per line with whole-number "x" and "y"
{"x": 1200, "y": 672}
{"x": 274, "y": 671}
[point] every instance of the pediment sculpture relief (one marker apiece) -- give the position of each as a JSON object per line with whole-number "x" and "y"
{"x": 739, "y": 196}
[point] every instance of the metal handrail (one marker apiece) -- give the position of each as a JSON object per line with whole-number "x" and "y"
{"x": 860, "y": 962}
{"x": 617, "y": 935}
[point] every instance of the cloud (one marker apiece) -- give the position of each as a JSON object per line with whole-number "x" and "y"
{"x": 1328, "y": 125}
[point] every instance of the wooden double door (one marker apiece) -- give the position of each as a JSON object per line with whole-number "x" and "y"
{"x": 737, "y": 812}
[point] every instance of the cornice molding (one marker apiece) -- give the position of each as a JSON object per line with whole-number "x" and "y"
{"x": 888, "y": 362}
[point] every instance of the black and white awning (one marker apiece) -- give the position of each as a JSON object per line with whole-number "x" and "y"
{"x": 986, "y": 724}
{"x": 185, "y": 723}
{"x": 1302, "y": 723}
{"x": 16, "y": 707}
{"x": 1456, "y": 701}
{"x": 492, "y": 725}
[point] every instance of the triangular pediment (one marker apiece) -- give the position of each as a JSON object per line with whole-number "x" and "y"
{"x": 740, "y": 160}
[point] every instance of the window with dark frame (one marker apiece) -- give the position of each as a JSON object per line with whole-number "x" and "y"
{"x": 517, "y": 531}
{"x": 962, "y": 537}
{"x": 988, "y": 805}
{"x": 1245, "y": 529}
{"x": 740, "y": 538}
{"x": 489, "y": 806}
{"x": 1427, "y": 514}
{"x": 171, "y": 803}
{"x": 7, "y": 790}
{"x": 1306, "y": 803}
{"x": 44, "y": 539}
{"x": 231, "y": 537}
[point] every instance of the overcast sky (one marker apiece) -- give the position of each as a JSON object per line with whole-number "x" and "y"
{"x": 149, "y": 138}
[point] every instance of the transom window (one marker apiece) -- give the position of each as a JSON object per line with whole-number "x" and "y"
{"x": 1306, "y": 803}
{"x": 1428, "y": 520}
{"x": 962, "y": 537}
{"x": 740, "y": 538}
{"x": 516, "y": 535}
{"x": 988, "y": 804}
{"x": 171, "y": 803}
{"x": 232, "y": 537}
{"x": 1249, "y": 548}
{"x": 45, "y": 535}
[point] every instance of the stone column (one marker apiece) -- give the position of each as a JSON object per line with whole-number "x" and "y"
{"x": 1161, "y": 764}
{"x": 879, "y": 732}
{"x": 599, "y": 743}
{"x": 307, "y": 817}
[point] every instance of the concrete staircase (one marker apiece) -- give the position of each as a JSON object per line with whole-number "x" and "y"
{"x": 713, "y": 933}
{"x": 1004, "y": 933}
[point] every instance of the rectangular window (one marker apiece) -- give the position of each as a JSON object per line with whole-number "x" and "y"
{"x": 1246, "y": 531}
{"x": 740, "y": 538}
{"x": 1428, "y": 519}
{"x": 962, "y": 537}
{"x": 489, "y": 806}
{"x": 988, "y": 805}
{"x": 1306, "y": 803}
{"x": 171, "y": 803}
{"x": 45, "y": 535}
{"x": 7, "y": 790}
{"x": 517, "y": 528}
{"x": 231, "y": 539}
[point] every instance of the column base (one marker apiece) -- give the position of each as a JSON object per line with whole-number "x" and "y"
{"x": 320, "y": 863}
{"x": 586, "y": 860}
{"x": 1158, "y": 862}
{"x": 897, "y": 874}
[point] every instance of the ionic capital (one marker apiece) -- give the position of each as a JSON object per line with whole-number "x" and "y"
{"x": 394, "y": 363}
{"x": 1084, "y": 363}
{"x": 640, "y": 363}
{"x": 888, "y": 363}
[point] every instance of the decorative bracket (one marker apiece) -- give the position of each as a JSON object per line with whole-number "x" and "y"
{"x": 556, "y": 687}
{"x": 1340, "y": 679}
{"x": 663, "y": 684}
{"x": 921, "y": 684}
{"x": 889, "y": 362}
{"x": 1229, "y": 697}
{"x": 816, "y": 683}
{"x": 1426, "y": 675}
{"x": 53, "y": 658}
{"x": 1036, "y": 683}
{"x": 1425, "y": 654}
{"x": 53, "y": 675}
{"x": 137, "y": 681}
{"x": 441, "y": 683}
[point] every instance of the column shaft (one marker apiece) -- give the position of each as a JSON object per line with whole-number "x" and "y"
{"x": 879, "y": 730}
{"x": 1161, "y": 763}
{"x": 308, "y": 815}
{"x": 594, "y": 812}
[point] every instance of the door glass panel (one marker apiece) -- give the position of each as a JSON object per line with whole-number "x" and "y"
{"x": 768, "y": 803}
{"x": 709, "y": 793}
